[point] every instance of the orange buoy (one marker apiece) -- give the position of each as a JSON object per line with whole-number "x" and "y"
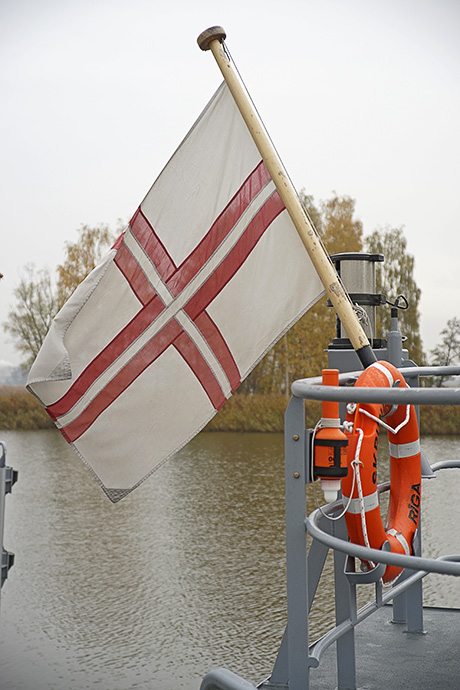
{"x": 359, "y": 487}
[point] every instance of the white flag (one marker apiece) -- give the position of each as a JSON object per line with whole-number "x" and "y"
{"x": 207, "y": 276}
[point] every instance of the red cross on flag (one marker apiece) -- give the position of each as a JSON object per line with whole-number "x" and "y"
{"x": 209, "y": 273}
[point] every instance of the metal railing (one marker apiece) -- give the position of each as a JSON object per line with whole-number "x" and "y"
{"x": 304, "y": 566}
{"x": 297, "y": 657}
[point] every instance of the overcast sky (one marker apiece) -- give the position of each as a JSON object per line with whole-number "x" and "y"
{"x": 361, "y": 97}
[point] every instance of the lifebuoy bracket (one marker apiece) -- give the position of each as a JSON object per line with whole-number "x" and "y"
{"x": 365, "y": 576}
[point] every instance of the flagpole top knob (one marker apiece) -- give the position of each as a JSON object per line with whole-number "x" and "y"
{"x": 212, "y": 34}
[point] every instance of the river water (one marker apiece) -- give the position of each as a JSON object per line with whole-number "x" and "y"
{"x": 185, "y": 574}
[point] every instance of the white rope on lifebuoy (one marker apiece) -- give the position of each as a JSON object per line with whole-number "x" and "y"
{"x": 356, "y": 462}
{"x": 384, "y": 424}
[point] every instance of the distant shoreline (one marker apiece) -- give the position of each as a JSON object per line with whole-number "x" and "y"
{"x": 20, "y": 410}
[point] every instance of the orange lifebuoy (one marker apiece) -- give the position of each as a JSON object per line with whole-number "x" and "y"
{"x": 359, "y": 487}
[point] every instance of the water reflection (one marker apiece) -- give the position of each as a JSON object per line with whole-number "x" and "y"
{"x": 441, "y": 518}
{"x": 186, "y": 573}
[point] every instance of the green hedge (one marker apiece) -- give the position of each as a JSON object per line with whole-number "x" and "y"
{"x": 257, "y": 413}
{"x": 264, "y": 413}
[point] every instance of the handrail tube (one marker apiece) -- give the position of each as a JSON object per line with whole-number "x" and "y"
{"x": 311, "y": 388}
{"x": 223, "y": 679}
{"x": 367, "y": 554}
{"x": 386, "y": 396}
{"x": 445, "y": 465}
{"x": 444, "y": 566}
{"x": 318, "y": 648}
{"x": 409, "y": 372}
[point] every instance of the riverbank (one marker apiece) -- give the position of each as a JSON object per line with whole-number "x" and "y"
{"x": 19, "y": 410}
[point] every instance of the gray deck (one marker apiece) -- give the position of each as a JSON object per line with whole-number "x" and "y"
{"x": 388, "y": 658}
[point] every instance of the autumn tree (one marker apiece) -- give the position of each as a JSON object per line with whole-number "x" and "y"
{"x": 81, "y": 257}
{"x": 395, "y": 276}
{"x": 447, "y": 353}
{"x": 36, "y": 305}
{"x": 38, "y": 301}
{"x": 300, "y": 353}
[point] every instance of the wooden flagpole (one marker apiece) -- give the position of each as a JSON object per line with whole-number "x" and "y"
{"x": 212, "y": 39}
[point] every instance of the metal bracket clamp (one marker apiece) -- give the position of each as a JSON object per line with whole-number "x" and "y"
{"x": 8, "y": 477}
{"x": 11, "y": 477}
{"x": 366, "y": 576}
{"x": 7, "y": 562}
